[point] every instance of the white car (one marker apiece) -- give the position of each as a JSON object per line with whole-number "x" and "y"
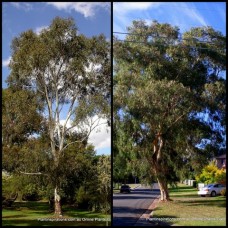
{"x": 211, "y": 190}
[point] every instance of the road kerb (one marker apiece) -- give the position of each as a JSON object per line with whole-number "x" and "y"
{"x": 145, "y": 217}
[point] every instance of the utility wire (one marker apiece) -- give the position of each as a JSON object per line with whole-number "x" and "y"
{"x": 179, "y": 39}
{"x": 163, "y": 37}
{"x": 183, "y": 46}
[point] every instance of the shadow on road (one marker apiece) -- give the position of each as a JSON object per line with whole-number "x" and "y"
{"x": 132, "y": 221}
{"x": 137, "y": 194}
{"x": 146, "y": 191}
{"x": 129, "y": 210}
{"x": 128, "y": 221}
{"x": 133, "y": 196}
{"x": 129, "y": 207}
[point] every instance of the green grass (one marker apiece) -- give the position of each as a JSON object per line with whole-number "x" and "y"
{"x": 32, "y": 214}
{"x": 186, "y": 208}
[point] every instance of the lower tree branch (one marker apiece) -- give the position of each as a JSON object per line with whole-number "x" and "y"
{"x": 39, "y": 173}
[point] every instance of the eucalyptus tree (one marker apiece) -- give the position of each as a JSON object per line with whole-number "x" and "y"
{"x": 170, "y": 93}
{"x": 71, "y": 75}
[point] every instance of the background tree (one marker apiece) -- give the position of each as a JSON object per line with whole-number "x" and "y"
{"x": 171, "y": 96}
{"x": 69, "y": 73}
{"x": 104, "y": 182}
{"x": 21, "y": 116}
{"x": 78, "y": 165}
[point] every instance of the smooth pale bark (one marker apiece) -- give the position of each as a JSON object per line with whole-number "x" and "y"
{"x": 58, "y": 209}
{"x": 163, "y": 189}
{"x": 157, "y": 146}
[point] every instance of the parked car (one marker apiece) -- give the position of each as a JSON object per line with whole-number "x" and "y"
{"x": 125, "y": 188}
{"x": 211, "y": 190}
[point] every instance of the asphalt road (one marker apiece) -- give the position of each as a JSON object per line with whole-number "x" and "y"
{"x": 128, "y": 207}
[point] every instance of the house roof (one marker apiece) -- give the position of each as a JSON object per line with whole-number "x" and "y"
{"x": 221, "y": 156}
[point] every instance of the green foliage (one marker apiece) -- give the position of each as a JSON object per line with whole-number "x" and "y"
{"x": 163, "y": 85}
{"x": 104, "y": 182}
{"x": 220, "y": 176}
{"x": 20, "y": 115}
{"x": 31, "y": 193}
{"x": 7, "y": 189}
{"x": 52, "y": 72}
{"x": 82, "y": 198}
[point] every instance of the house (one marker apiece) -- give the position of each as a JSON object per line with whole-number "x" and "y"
{"x": 220, "y": 161}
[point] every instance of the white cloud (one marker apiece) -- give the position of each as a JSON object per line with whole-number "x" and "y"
{"x": 122, "y": 13}
{"x": 62, "y": 122}
{"x": 194, "y": 15}
{"x": 39, "y": 29}
{"x": 88, "y": 9}
{"x": 191, "y": 15}
{"x": 22, "y": 5}
{"x": 172, "y": 13}
{"x": 100, "y": 137}
{"x": 5, "y": 63}
{"x": 126, "y": 7}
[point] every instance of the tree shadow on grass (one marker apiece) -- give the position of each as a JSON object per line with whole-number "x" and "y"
{"x": 183, "y": 189}
{"x": 35, "y": 212}
{"x": 32, "y": 205}
{"x": 13, "y": 216}
{"x": 37, "y": 223}
{"x": 82, "y": 214}
{"x": 184, "y": 196}
{"x": 203, "y": 202}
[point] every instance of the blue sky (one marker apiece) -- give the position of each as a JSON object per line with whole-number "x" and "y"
{"x": 182, "y": 14}
{"x": 91, "y": 19}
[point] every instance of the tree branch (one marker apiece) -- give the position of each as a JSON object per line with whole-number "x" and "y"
{"x": 77, "y": 141}
{"x": 160, "y": 147}
{"x": 39, "y": 173}
{"x": 91, "y": 128}
{"x": 176, "y": 120}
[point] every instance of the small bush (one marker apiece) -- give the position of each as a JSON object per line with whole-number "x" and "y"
{"x": 223, "y": 192}
{"x": 211, "y": 174}
{"x": 31, "y": 197}
{"x": 82, "y": 198}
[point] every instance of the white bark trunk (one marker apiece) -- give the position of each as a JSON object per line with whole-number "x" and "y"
{"x": 58, "y": 210}
{"x": 163, "y": 190}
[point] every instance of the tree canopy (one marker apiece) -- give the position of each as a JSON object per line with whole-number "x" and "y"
{"x": 169, "y": 98}
{"x": 69, "y": 75}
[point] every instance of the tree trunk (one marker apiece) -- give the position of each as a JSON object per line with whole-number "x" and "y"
{"x": 58, "y": 209}
{"x": 157, "y": 167}
{"x": 163, "y": 189}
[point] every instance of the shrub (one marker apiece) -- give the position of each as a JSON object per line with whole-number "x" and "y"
{"x": 211, "y": 174}
{"x": 30, "y": 193}
{"x": 31, "y": 197}
{"x": 82, "y": 198}
{"x": 223, "y": 192}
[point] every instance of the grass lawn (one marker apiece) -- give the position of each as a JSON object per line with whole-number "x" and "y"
{"x": 186, "y": 208}
{"x": 32, "y": 214}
